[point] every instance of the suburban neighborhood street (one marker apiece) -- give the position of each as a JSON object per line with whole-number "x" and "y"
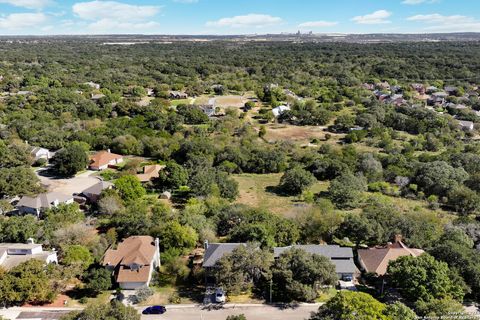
{"x": 180, "y": 312}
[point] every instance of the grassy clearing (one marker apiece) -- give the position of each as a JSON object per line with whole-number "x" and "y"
{"x": 181, "y": 101}
{"x": 300, "y": 134}
{"x": 258, "y": 190}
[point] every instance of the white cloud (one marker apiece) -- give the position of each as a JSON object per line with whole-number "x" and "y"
{"x": 249, "y": 20}
{"x": 29, "y": 4}
{"x": 414, "y": 2}
{"x": 117, "y": 17}
{"x": 317, "y": 24}
{"x": 452, "y": 23}
{"x": 97, "y": 10}
{"x": 378, "y": 17}
{"x": 18, "y": 21}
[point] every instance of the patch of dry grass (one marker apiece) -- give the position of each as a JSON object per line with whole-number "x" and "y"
{"x": 258, "y": 190}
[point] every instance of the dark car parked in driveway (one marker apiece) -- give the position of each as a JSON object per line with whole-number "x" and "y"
{"x": 155, "y": 310}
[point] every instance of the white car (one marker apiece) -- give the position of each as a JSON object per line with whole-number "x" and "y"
{"x": 220, "y": 295}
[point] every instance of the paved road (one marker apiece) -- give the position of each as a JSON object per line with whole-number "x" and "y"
{"x": 251, "y": 313}
{"x": 69, "y": 186}
{"x": 185, "y": 312}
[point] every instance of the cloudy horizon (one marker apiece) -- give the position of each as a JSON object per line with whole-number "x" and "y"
{"x": 217, "y": 17}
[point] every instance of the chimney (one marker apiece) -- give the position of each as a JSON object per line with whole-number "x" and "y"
{"x": 205, "y": 244}
{"x": 108, "y": 150}
{"x": 30, "y": 241}
{"x": 157, "y": 249}
{"x": 398, "y": 238}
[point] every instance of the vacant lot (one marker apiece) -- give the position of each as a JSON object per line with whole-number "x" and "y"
{"x": 259, "y": 191}
{"x": 301, "y": 134}
{"x": 230, "y": 101}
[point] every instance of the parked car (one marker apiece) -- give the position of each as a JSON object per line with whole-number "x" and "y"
{"x": 347, "y": 278}
{"x": 220, "y": 295}
{"x": 155, "y": 310}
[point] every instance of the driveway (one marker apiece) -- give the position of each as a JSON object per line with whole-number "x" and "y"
{"x": 68, "y": 186}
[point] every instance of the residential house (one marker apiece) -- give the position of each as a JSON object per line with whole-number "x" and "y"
{"x": 93, "y": 193}
{"x": 383, "y": 85}
{"x": 150, "y": 172}
{"x": 96, "y": 96}
{"x": 177, "y": 95}
{"x": 451, "y": 90}
{"x": 375, "y": 260}
{"x": 41, "y": 153}
{"x": 92, "y": 85}
{"x": 431, "y": 89}
{"x": 208, "y": 109}
{"x": 213, "y": 253}
{"x": 103, "y": 159}
{"x": 133, "y": 261}
{"x": 279, "y": 110}
{"x": 13, "y": 254}
{"x": 39, "y": 204}
{"x": 341, "y": 257}
{"x": 420, "y": 88}
{"x": 466, "y": 125}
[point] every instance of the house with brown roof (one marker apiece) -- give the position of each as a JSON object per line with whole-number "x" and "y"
{"x": 375, "y": 260}
{"x": 133, "y": 261}
{"x": 150, "y": 172}
{"x": 103, "y": 159}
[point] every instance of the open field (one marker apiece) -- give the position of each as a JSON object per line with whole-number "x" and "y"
{"x": 301, "y": 134}
{"x": 230, "y": 101}
{"x": 259, "y": 191}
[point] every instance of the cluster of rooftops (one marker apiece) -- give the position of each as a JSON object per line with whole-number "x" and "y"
{"x": 133, "y": 261}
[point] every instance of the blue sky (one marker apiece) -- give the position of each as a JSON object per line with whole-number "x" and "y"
{"x": 237, "y": 16}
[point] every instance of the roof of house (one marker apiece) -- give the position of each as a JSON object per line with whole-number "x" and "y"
{"x": 330, "y": 251}
{"x": 279, "y": 110}
{"x": 137, "y": 249}
{"x": 464, "y": 123}
{"x": 35, "y": 150}
{"x": 341, "y": 257}
{"x": 150, "y": 172}
{"x": 376, "y": 259}
{"x": 12, "y": 261}
{"x": 97, "y": 188}
{"x": 128, "y": 275}
{"x": 28, "y": 246}
{"x": 43, "y": 200}
{"x": 102, "y": 158}
{"x": 215, "y": 251}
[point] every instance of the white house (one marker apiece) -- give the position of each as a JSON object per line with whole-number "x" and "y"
{"x": 92, "y": 85}
{"x": 466, "y": 125}
{"x": 279, "y": 110}
{"x": 41, "y": 153}
{"x": 37, "y": 205}
{"x": 133, "y": 261}
{"x": 103, "y": 159}
{"x": 13, "y": 254}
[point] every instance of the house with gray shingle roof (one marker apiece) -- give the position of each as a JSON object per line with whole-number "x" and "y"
{"x": 341, "y": 257}
{"x": 37, "y": 205}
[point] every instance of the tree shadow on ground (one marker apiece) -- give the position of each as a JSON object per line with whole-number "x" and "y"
{"x": 277, "y": 190}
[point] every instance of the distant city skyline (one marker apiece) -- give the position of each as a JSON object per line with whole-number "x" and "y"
{"x": 227, "y": 17}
